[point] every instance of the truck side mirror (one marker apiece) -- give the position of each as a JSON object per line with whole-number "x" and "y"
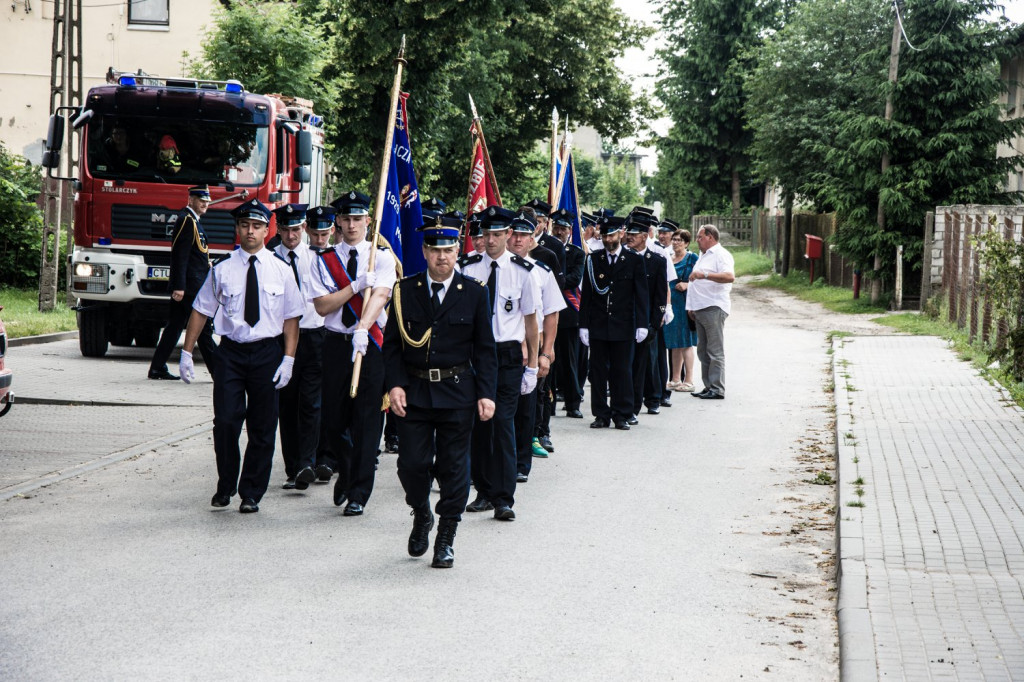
{"x": 55, "y": 135}
{"x": 51, "y": 159}
{"x": 302, "y": 174}
{"x": 304, "y": 149}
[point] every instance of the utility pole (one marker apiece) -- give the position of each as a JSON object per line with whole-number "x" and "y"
{"x": 894, "y": 68}
{"x": 65, "y": 90}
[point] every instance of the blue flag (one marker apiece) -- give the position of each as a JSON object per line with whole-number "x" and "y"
{"x": 402, "y": 216}
{"x": 568, "y": 199}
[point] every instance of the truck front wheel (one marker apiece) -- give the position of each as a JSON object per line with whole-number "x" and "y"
{"x": 92, "y": 331}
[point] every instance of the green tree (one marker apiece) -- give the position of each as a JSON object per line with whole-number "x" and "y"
{"x": 21, "y": 222}
{"x": 617, "y": 186}
{"x": 705, "y": 154}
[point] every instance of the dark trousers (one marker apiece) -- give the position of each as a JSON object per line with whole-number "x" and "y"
{"x": 654, "y": 385}
{"x": 544, "y": 406}
{"x": 566, "y": 369}
{"x": 641, "y": 361}
{"x": 176, "y": 321}
{"x": 583, "y": 368}
{"x": 243, "y": 390}
{"x": 494, "y": 441}
{"x": 526, "y": 416}
{"x": 299, "y": 404}
{"x": 435, "y": 444}
{"x": 611, "y": 374}
{"x": 359, "y": 416}
{"x": 662, "y": 362}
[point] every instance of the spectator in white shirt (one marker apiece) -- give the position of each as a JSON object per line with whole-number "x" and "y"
{"x": 707, "y": 304}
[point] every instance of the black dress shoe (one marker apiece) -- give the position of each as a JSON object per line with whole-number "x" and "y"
{"x": 289, "y": 484}
{"x": 324, "y": 472}
{"x": 419, "y": 538}
{"x": 545, "y": 442}
{"x": 220, "y": 500}
{"x": 353, "y": 509}
{"x": 305, "y": 476}
{"x": 479, "y": 505}
{"x": 654, "y": 409}
{"x": 599, "y": 423}
{"x": 162, "y": 374}
{"x": 444, "y": 555}
{"x": 391, "y": 445}
{"x": 712, "y": 395}
{"x": 665, "y": 402}
{"x": 339, "y": 495}
{"x": 522, "y": 478}
{"x": 632, "y": 421}
{"x": 249, "y": 506}
{"x": 700, "y": 394}
{"x": 622, "y": 426}
{"x": 574, "y": 414}
{"x": 504, "y": 513}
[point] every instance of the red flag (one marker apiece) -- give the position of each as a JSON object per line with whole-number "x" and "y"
{"x": 483, "y": 190}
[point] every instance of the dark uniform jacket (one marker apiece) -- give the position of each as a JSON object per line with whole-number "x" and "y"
{"x": 657, "y": 287}
{"x": 554, "y": 245}
{"x": 190, "y": 259}
{"x": 460, "y": 333}
{"x": 574, "y": 259}
{"x": 545, "y": 256}
{"x": 624, "y": 307}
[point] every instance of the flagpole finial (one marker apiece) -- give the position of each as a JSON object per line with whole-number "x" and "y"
{"x": 401, "y": 52}
{"x": 554, "y": 114}
{"x": 472, "y": 107}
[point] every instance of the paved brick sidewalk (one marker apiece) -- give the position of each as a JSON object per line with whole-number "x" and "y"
{"x": 932, "y": 567}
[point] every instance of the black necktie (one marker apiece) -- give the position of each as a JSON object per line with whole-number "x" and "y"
{"x": 435, "y": 300}
{"x": 348, "y": 318}
{"x": 611, "y": 259}
{"x": 492, "y": 284}
{"x": 252, "y": 294}
{"x": 295, "y": 270}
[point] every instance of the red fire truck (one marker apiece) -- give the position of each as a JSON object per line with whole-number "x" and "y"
{"x": 144, "y": 141}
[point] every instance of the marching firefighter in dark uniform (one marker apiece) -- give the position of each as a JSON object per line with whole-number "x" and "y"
{"x": 254, "y": 300}
{"x": 441, "y": 372}
{"x": 614, "y": 309}
{"x": 351, "y": 299}
{"x": 567, "y": 343}
{"x": 637, "y": 229}
{"x": 190, "y": 263}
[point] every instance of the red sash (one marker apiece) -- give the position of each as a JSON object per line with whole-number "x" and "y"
{"x": 355, "y": 304}
{"x": 572, "y": 296}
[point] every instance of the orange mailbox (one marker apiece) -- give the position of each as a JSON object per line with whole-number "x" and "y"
{"x": 814, "y": 245}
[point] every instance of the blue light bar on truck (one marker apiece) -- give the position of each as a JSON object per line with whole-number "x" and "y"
{"x": 127, "y": 81}
{"x": 233, "y": 86}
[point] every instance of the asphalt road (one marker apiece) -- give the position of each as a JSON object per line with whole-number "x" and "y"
{"x": 691, "y": 548}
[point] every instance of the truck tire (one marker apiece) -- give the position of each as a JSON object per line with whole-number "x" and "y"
{"x": 92, "y": 332}
{"x": 146, "y": 335}
{"x": 120, "y": 333}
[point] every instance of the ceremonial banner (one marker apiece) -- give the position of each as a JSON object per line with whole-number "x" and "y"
{"x": 568, "y": 196}
{"x": 483, "y": 190}
{"x": 402, "y": 215}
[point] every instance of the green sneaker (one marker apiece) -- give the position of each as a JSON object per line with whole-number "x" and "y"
{"x": 538, "y": 449}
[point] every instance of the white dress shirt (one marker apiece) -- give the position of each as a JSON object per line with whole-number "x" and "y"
{"x": 304, "y": 262}
{"x": 323, "y": 284}
{"x": 518, "y": 295}
{"x": 703, "y": 293}
{"x": 446, "y": 285}
{"x": 223, "y": 296}
{"x": 551, "y": 299}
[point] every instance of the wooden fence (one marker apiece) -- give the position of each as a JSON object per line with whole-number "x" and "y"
{"x": 739, "y": 227}
{"x": 955, "y": 264}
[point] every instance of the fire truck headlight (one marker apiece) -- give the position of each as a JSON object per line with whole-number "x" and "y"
{"x": 85, "y": 270}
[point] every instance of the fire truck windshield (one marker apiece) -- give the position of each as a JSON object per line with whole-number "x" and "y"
{"x": 176, "y": 151}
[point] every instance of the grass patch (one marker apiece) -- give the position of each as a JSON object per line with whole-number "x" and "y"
{"x": 977, "y": 354}
{"x": 750, "y": 262}
{"x": 836, "y": 299}
{"x": 21, "y": 314}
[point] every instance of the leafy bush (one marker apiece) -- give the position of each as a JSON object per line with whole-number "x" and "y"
{"x": 1002, "y": 281}
{"x": 21, "y": 222}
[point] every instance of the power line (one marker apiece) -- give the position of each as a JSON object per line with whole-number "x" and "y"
{"x": 899, "y": 20}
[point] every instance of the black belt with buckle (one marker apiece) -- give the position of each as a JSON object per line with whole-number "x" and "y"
{"x": 435, "y": 375}
{"x": 342, "y": 335}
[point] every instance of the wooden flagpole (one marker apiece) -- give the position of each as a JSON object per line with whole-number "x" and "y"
{"x": 552, "y": 177}
{"x": 487, "y": 155}
{"x": 382, "y": 188}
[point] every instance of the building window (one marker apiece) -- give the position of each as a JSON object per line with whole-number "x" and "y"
{"x": 149, "y": 12}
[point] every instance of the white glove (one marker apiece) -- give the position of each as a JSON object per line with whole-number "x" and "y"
{"x": 529, "y": 381}
{"x": 186, "y": 369}
{"x": 367, "y": 279}
{"x": 284, "y": 372}
{"x": 641, "y": 334}
{"x": 585, "y": 337}
{"x": 669, "y": 315}
{"x": 360, "y": 342}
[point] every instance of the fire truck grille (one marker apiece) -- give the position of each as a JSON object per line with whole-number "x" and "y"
{"x": 156, "y": 223}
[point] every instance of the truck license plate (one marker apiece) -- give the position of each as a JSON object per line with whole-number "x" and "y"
{"x": 159, "y": 273}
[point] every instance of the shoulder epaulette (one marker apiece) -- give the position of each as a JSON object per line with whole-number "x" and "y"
{"x": 470, "y": 259}
{"x": 542, "y": 265}
{"x": 474, "y": 280}
{"x": 221, "y": 259}
{"x": 280, "y": 257}
{"x": 523, "y": 263}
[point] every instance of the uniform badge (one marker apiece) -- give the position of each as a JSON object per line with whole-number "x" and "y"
{"x": 508, "y": 305}
{"x": 458, "y": 286}
{"x": 601, "y": 276}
